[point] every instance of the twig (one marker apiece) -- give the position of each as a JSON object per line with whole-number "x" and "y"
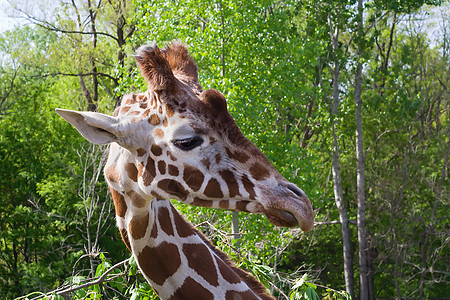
{"x": 333, "y": 222}
{"x": 75, "y": 75}
{"x": 342, "y": 293}
{"x": 278, "y": 289}
{"x": 97, "y": 280}
{"x": 92, "y": 281}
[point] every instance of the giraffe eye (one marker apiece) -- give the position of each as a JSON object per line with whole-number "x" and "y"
{"x": 188, "y": 144}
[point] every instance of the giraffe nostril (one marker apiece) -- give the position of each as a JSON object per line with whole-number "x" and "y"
{"x": 293, "y": 188}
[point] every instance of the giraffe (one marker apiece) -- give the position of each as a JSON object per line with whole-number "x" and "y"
{"x": 176, "y": 141}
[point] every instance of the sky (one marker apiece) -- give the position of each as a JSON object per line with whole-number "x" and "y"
{"x": 7, "y": 23}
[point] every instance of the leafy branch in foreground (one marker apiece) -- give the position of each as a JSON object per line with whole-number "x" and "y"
{"x": 103, "y": 275}
{"x": 303, "y": 289}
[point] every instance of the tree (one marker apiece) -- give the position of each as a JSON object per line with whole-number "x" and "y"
{"x": 40, "y": 213}
{"x": 337, "y": 182}
{"x": 88, "y": 30}
{"x": 365, "y": 289}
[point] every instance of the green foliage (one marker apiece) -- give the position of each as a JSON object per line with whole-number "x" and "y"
{"x": 303, "y": 289}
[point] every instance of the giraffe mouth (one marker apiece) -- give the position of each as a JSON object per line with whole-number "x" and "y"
{"x": 281, "y": 218}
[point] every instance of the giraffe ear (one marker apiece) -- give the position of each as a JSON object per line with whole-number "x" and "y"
{"x": 180, "y": 61}
{"x": 155, "y": 68}
{"x": 215, "y": 100}
{"x": 95, "y": 127}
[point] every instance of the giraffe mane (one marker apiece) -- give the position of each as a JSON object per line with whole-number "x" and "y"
{"x": 256, "y": 286}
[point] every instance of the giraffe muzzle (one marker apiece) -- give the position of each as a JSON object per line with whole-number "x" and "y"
{"x": 290, "y": 207}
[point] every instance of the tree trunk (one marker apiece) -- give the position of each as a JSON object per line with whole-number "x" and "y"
{"x": 364, "y": 269}
{"x": 338, "y": 193}
{"x": 363, "y": 245}
{"x": 87, "y": 94}
{"x": 93, "y": 16}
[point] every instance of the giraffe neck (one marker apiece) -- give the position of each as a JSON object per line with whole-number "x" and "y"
{"x": 177, "y": 260}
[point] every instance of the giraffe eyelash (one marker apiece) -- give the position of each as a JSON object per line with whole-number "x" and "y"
{"x": 188, "y": 144}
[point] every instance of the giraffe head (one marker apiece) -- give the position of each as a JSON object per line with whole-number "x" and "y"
{"x": 178, "y": 141}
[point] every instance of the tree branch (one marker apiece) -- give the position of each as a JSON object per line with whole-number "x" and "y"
{"x": 76, "y": 75}
{"x": 3, "y": 105}
{"x": 47, "y": 25}
{"x": 366, "y": 31}
{"x": 93, "y": 281}
{"x": 333, "y": 222}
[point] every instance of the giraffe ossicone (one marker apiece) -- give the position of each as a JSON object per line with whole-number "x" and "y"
{"x": 176, "y": 141}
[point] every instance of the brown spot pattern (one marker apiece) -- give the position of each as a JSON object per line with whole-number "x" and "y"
{"x": 242, "y": 206}
{"x": 173, "y": 188}
{"x": 200, "y": 260}
{"x": 131, "y": 100}
{"x": 158, "y": 196}
{"x": 249, "y": 187}
{"x": 136, "y": 199}
{"x": 259, "y": 172}
{"x": 154, "y": 120}
{"x": 154, "y": 262}
{"x": 146, "y": 113}
{"x": 158, "y": 133}
{"x": 165, "y": 122}
{"x": 173, "y": 170}
{"x": 235, "y": 295}
{"x": 241, "y": 156}
{"x": 162, "y": 167}
{"x": 156, "y": 150}
{"x": 233, "y": 185}
{"x": 218, "y": 157}
{"x": 224, "y": 204}
{"x": 193, "y": 177}
{"x": 165, "y": 220}
{"x": 169, "y": 111}
{"x": 125, "y": 109}
{"x": 138, "y": 226}
{"x": 213, "y": 189}
{"x": 150, "y": 173}
{"x": 171, "y": 156}
{"x": 227, "y": 273}
{"x": 112, "y": 173}
{"x": 141, "y": 152}
{"x": 132, "y": 171}
{"x": 206, "y": 163}
{"x": 183, "y": 228}
{"x": 154, "y": 232}
{"x": 202, "y": 202}
{"x": 212, "y": 140}
{"x": 119, "y": 203}
{"x": 192, "y": 290}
